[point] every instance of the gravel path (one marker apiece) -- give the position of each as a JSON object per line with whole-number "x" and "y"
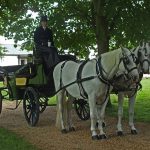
{"x": 47, "y": 137}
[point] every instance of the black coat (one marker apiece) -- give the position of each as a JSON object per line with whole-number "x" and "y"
{"x": 41, "y": 36}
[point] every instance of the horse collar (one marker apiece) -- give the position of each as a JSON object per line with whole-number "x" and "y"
{"x": 100, "y": 70}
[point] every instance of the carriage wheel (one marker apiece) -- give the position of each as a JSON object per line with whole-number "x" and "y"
{"x": 31, "y": 106}
{"x": 82, "y": 109}
{"x": 1, "y": 102}
{"x": 43, "y": 103}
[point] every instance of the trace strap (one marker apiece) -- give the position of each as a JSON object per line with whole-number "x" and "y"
{"x": 79, "y": 80}
{"x": 79, "y": 76}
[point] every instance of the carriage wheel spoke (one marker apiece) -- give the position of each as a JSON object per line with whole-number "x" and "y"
{"x": 83, "y": 112}
{"x": 31, "y": 106}
{"x": 86, "y": 110}
{"x": 32, "y": 118}
{"x": 87, "y": 106}
{"x": 28, "y": 95}
{"x": 28, "y": 101}
{"x": 28, "y": 111}
{"x": 80, "y": 109}
{"x": 30, "y": 115}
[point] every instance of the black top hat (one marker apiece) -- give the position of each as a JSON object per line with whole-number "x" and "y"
{"x": 43, "y": 18}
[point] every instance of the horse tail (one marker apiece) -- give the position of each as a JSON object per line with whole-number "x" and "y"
{"x": 61, "y": 107}
{"x": 66, "y": 105}
{"x": 61, "y": 97}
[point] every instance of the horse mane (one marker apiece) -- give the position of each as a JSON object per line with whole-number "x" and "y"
{"x": 110, "y": 61}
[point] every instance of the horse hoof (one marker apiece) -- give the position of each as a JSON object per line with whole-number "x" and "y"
{"x": 103, "y": 125}
{"x": 119, "y": 133}
{"x": 95, "y": 137}
{"x": 103, "y": 136}
{"x": 64, "y": 131}
{"x": 134, "y": 132}
{"x": 72, "y": 129}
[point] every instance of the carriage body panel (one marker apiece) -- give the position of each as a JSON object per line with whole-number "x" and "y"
{"x": 28, "y": 75}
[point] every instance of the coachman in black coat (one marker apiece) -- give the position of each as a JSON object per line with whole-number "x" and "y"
{"x": 43, "y": 36}
{"x": 44, "y": 45}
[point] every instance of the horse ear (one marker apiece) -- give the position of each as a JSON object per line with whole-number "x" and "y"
{"x": 139, "y": 54}
{"x": 121, "y": 47}
{"x": 141, "y": 43}
{"x": 123, "y": 50}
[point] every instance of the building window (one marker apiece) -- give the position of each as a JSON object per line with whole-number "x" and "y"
{"x": 22, "y": 62}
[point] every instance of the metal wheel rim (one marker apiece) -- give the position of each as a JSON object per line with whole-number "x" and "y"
{"x": 31, "y": 106}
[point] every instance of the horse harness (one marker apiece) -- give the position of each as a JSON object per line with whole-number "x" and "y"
{"x": 137, "y": 62}
{"x": 139, "y": 55}
{"x": 99, "y": 70}
{"x": 79, "y": 80}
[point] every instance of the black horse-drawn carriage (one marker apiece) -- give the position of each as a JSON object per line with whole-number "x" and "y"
{"x": 33, "y": 85}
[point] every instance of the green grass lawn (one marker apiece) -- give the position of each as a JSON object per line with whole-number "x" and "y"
{"x": 52, "y": 100}
{"x": 142, "y": 105}
{"x": 11, "y": 141}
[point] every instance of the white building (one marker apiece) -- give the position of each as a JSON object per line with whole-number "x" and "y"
{"x": 13, "y": 56}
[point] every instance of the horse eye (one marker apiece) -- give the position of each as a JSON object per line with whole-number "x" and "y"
{"x": 134, "y": 59}
{"x": 126, "y": 60}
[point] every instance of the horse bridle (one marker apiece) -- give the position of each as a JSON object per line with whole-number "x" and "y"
{"x": 144, "y": 60}
{"x": 125, "y": 61}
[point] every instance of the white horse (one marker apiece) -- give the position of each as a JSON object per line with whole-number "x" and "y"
{"x": 91, "y": 79}
{"x": 142, "y": 52}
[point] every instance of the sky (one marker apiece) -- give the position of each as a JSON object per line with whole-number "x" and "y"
{"x": 3, "y": 40}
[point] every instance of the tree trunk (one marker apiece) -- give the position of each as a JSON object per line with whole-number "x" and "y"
{"x": 102, "y": 36}
{"x": 101, "y": 28}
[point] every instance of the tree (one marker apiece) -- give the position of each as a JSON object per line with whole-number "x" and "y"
{"x": 120, "y": 21}
{"x": 2, "y": 51}
{"x": 79, "y": 25}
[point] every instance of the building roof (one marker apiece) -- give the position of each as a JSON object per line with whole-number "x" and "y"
{"x": 12, "y": 51}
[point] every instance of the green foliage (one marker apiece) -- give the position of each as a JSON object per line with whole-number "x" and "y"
{"x": 2, "y": 51}
{"x": 142, "y": 104}
{"x": 131, "y": 23}
{"x": 10, "y": 141}
{"x": 73, "y": 22}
